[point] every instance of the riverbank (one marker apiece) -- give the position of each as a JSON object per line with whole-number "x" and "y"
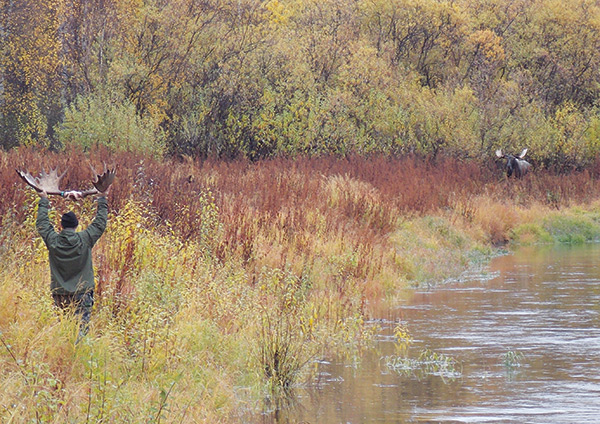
{"x": 218, "y": 283}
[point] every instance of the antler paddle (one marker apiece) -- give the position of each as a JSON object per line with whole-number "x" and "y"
{"x": 47, "y": 182}
{"x": 101, "y": 181}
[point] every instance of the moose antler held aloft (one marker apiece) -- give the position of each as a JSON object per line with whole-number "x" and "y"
{"x": 103, "y": 181}
{"x": 49, "y": 181}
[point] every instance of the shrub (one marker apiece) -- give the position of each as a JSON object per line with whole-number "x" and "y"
{"x": 96, "y": 120}
{"x": 286, "y": 331}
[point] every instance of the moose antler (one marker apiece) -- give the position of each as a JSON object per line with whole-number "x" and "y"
{"x": 515, "y": 164}
{"x": 49, "y": 182}
{"x": 103, "y": 181}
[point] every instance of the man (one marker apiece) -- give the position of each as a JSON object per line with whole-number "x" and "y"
{"x": 70, "y": 254}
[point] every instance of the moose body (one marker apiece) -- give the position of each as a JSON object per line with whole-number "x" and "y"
{"x": 515, "y": 164}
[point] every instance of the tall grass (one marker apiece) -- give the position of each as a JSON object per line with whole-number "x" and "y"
{"x": 218, "y": 282}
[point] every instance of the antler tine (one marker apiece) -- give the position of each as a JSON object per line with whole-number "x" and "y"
{"x": 94, "y": 173}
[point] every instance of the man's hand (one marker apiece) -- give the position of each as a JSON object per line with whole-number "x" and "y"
{"x": 72, "y": 195}
{"x": 104, "y": 193}
{"x": 43, "y": 194}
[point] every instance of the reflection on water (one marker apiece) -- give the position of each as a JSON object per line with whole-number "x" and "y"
{"x": 541, "y": 302}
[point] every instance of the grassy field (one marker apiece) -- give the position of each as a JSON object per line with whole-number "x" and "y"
{"x": 219, "y": 283}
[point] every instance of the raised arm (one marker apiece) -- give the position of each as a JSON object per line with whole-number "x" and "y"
{"x": 42, "y": 223}
{"x": 98, "y": 225}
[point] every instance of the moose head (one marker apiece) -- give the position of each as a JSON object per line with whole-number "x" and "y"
{"x": 48, "y": 182}
{"x": 515, "y": 164}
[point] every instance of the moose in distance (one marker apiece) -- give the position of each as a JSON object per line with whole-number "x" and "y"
{"x": 515, "y": 164}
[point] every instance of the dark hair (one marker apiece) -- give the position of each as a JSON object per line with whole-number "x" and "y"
{"x": 69, "y": 220}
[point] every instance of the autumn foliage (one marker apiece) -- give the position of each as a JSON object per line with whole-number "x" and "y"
{"x": 256, "y": 79}
{"x": 220, "y": 282}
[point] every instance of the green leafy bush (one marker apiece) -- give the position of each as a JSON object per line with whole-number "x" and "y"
{"x": 97, "y": 120}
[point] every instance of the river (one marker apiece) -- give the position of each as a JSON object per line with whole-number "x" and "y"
{"x": 518, "y": 342}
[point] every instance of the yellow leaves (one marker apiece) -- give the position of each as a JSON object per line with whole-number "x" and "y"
{"x": 489, "y": 44}
{"x": 555, "y": 10}
{"x": 594, "y": 18}
{"x": 29, "y": 61}
{"x": 570, "y": 126}
{"x": 33, "y": 46}
{"x": 403, "y": 339}
{"x": 280, "y": 14}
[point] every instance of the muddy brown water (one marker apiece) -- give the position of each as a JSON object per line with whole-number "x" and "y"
{"x": 524, "y": 335}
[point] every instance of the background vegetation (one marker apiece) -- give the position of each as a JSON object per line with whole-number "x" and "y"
{"x": 259, "y": 78}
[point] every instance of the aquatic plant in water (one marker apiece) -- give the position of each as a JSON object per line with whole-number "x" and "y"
{"x": 403, "y": 339}
{"x": 426, "y": 364}
{"x": 512, "y": 359}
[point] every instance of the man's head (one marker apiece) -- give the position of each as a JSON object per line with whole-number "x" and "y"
{"x": 69, "y": 220}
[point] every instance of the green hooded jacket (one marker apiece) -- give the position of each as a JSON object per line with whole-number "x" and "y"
{"x": 70, "y": 252}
